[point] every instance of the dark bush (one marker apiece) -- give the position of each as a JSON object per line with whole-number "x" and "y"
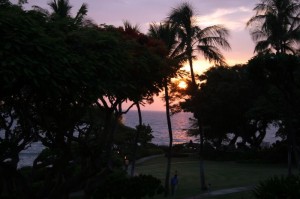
{"x": 118, "y": 185}
{"x": 278, "y": 187}
{"x": 141, "y": 186}
{"x": 275, "y": 154}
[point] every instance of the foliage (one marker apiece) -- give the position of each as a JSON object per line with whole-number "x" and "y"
{"x": 275, "y": 26}
{"x": 243, "y": 101}
{"x": 125, "y": 139}
{"x": 145, "y": 135}
{"x": 278, "y": 187}
{"x": 206, "y": 41}
{"x": 192, "y": 38}
{"x": 280, "y": 73}
{"x": 168, "y": 34}
{"x": 117, "y": 185}
{"x": 12, "y": 184}
{"x": 225, "y": 104}
{"x": 53, "y": 74}
{"x": 280, "y": 76}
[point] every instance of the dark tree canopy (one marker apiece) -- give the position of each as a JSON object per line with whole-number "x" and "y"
{"x": 53, "y": 72}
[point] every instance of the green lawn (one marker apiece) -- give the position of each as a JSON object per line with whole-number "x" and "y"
{"x": 220, "y": 175}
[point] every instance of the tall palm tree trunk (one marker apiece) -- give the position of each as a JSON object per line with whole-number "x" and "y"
{"x": 206, "y": 41}
{"x": 192, "y": 73}
{"x": 291, "y": 143}
{"x": 201, "y": 159}
{"x": 290, "y": 126}
{"x": 169, "y": 155}
{"x": 137, "y": 135}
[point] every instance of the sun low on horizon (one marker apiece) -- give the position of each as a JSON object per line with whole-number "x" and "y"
{"x": 182, "y": 85}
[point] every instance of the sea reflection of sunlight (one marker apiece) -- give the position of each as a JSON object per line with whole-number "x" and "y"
{"x": 158, "y": 123}
{"x": 180, "y": 126}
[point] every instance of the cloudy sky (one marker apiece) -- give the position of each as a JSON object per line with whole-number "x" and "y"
{"x": 233, "y": 14}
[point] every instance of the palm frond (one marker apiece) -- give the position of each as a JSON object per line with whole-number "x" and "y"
{"x": 262, "y": 46}
{"x": 276, "y": 22}
{"x": 81, "y": 14}
{"x": 62, "y": 8}
{"x": 182, "y": 16}
{"x": 214, "y": 36}
{"x": 129, "y": 27}
{"x": 212, "y": 54}
{"x": 41, "y": 10}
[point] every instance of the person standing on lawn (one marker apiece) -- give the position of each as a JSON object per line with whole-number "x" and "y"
{"x": 174, "y": 184}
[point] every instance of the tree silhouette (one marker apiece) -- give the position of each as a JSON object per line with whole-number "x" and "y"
{"x": 167, "y": 33}
{"x": 276, "y": 26}
{"x": 205, "y": 41}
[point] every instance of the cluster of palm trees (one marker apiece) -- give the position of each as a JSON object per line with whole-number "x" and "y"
{"x": 275, "y": 27}
{"x": 185, "y": 40}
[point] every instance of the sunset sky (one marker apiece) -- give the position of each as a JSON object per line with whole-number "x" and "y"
{"x": 233, "y": 14}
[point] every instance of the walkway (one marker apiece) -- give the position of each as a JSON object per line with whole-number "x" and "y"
{"x": 221, "y": 192}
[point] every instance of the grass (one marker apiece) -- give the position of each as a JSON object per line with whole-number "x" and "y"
{"x": 220, "y": 175}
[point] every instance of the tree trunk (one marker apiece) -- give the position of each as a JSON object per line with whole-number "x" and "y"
{"x": 293, "y": 127}
{"x": 15, "y": 159}
{"x": 192, "y": 69}
{"x": 289, "y": 160}
{"x": 201, "y": 160}
{"x": 169, "y": 155}
{"x": 194, "y": 90}
{"x": 292, "y": 146}
{"x": 110, "y": 138}
{"x": 233, "y": 142}
{"x": 290, "y": 126}
{"x": 296, "y": 151}
{"x": 136, "y": 139}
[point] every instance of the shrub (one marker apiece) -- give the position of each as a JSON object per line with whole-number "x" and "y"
{"x": 118, "y": 185}
{"x": 280, "y": 187}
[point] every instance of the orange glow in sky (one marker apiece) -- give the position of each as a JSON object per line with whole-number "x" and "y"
{"x": 199, "y": 66}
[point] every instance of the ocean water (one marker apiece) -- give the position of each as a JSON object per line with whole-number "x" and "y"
{"x": 156, "y": 119}
{"x": 158, "y": 122}
{"x": 180, "y": 123}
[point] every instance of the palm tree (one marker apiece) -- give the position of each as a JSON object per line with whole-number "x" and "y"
{"x": 128, "y": 27}
{"x": 167, "y": 33}
{"x": 206, "y": 42}
{"x": 276, "y": 26}
{"x": 61, "y": 9}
